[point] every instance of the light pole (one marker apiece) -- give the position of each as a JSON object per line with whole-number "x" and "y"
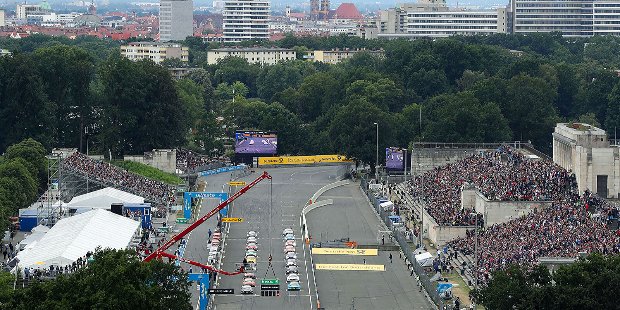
{"x": 377, "y": 158}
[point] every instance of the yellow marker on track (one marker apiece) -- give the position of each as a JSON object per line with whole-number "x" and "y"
{"x": 350, "y": 267}
{"x": 339, "y": 251}
{"x": 232, "y": 220}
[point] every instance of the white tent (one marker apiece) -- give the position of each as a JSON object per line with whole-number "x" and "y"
{"x": 34, "y": 237}
{"x": 72, "y": 237}
{"x": 387, "y": 205}
{"x": 425, "y": 259}
{"x": 103, "y": 199}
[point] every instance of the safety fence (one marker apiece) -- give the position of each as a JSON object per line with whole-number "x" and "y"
{"x": 399, "y": 237}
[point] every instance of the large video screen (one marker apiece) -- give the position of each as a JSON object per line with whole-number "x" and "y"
{"x": 394, "y": 158}
{"x": 256, "y": 142}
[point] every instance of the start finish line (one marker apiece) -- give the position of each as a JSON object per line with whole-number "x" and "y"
{"x": 187, "y": 201}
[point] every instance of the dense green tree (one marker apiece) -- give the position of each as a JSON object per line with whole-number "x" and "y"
{"x": 115, "y": 279}
{"x": 33, "y": 153}
{"x": 529, "y": 108}
{"x": 21, "y": 185}
{"x": 383, "y": 93}
{"x": 141, "y": 108}
{"x": 24, "y": 106}
{"x": 276, "y": 78}
{"x": 590, "y": 283}
{"x": 201, "y": 77}
{"x": 67, "y": 72}
{"x": 235, "y": 69}
{"x": 317, "y": 94}
{"x": 516, "y": 288}
{"x": 463, "y": 118}
{"x": 353, "y": 132}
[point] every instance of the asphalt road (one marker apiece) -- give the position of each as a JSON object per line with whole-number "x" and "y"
{"x": 351, "y": 217}
{"x": 268, "y": 209}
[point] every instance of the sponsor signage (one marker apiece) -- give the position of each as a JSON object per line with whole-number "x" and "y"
{"x": 221, "y": 170}
{"x": 338, "y": 251}
{"x": 302, "y": 160}
{"x": 221, "y": 291}
{"x": 269, "y": 281}
{"x": 270, "y": 287}
{"x": 232, "y": 220}
{"x": 236, "y": 183}
{"x": 351, "y": 267}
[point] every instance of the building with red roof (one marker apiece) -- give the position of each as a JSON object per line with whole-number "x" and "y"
{"x": 347, "y": 11}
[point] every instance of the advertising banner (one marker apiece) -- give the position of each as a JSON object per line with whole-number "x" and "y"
{"x": 302, "y": 160}
{"x": 352, "y": 267}
{"x": 256, "y": 142}
{"x": 394, "y": 158}
{"x": 339, "y": 251}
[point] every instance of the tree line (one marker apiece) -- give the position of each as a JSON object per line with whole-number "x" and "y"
{"x": 460, "y": 89}
{"x": 589, "y": 283}
{"x": 23, "y": 176}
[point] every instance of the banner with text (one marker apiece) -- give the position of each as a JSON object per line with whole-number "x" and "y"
{"x": 350, "y": 267}
{"x": 339, "y": 251}
{"x": 302, "y": 160}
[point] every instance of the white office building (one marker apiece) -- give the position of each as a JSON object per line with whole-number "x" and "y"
{"x": 573, "y": 18}
{"x": 176, "y": 20}
{"x": 246, "y": 20}
{"x": 433, "y": 18}
{"x": 2, "y": 21}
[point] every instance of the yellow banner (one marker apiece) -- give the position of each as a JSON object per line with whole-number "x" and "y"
{"x": 232, "y": 220}
{"x": 236, "y": 183}
{"x": 337, "y": 251}
{"x": 302, "y": 160}
{"x": 354, "y": 267}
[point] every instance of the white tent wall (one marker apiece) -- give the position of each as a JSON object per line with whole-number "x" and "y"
{"x": 73, "y": 237}
{"x": 103, "y": 199}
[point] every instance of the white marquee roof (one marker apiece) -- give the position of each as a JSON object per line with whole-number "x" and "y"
{"x": 104, "y": 198}
{"x": 72, "y": 237}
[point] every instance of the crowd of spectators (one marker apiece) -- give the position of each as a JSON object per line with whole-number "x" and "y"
{"x": 500, "y": 175}
{"x": 562, "y": 230}
{"x": 188, "y": 161}
{"x": 572, "y": 225}
{"x": 155, "y": 191}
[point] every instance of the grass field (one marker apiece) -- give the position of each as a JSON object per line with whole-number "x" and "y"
{"x": 149, "y": 172}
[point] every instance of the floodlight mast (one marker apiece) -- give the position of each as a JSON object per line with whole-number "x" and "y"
{"x": 160, "y": 252}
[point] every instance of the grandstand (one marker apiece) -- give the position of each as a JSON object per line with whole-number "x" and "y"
{"x": 571, "y": 225}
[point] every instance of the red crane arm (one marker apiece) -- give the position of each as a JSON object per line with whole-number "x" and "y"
{"x": 201, "y": 265}
{"x": 201, "y": 220}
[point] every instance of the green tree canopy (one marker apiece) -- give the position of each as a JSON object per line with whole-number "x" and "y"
{"x": 116, "y": 279}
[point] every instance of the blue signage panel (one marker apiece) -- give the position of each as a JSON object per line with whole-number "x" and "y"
{"x": 187, "y": 201}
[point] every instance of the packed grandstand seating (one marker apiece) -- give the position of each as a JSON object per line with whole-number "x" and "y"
{"x": 500, "y": 175}
{"x": 573, "y": 224}
{"x": 188, "y": 161}
{"x": 109, "y": 174}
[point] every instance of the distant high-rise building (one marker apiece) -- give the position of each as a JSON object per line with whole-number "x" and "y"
{"x": 246, "y": 20}
{"x": 23, "y": 10}
{"x": 2, "y": 22}
{"x": 176, "y": 20}
{"x": 574, "y": 18}
{"x": 324, "y": 12}
{"x": 314, "y": 9}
